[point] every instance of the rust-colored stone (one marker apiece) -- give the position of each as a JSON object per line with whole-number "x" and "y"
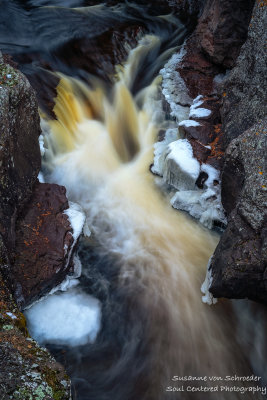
{"x": 43, "y": 242}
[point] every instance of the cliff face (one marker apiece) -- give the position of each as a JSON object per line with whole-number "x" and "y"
{"x": 27, "y": 371}
{"x": 239, "y": 263}
{"x": 19, "y": 147}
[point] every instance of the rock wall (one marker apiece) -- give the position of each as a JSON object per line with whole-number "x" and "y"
{"x": 26, "y": 371}
{"x": 239, "y": 264}
{"x": 19, "y": 147}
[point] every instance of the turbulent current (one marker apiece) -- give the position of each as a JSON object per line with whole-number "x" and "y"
{"x": 144, "y": 261}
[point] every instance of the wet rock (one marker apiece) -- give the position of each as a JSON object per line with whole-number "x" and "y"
{"x": 244, "y": 92}
{"x": 20, "y": 158}
{"x": 26, "y": 370}
{"x": 200, "y": 152}
{"x": 222, "y": 29}
{"x": 203, "y": 130}
{"x": 43, "y": 244}
{"x": 196, "y": 70}
{"x": 240, "y": 260}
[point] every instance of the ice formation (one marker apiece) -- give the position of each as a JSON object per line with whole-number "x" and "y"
{"x": 174, "y": 88}
{"x": 71, "y": 318}
{"x": 196, "y": 111}
{"x": 208, "y": 297}
{"x": 173, "y": 157}
{"x": 203, "y": 204}
{"x": 181, "y": 169}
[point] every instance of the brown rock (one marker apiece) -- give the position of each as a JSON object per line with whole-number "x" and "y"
{"x": 222, "y": 29}
{"x": 196, "y": 70}
{"x": 43, "y": 242}
{"x": 200, "y": 152}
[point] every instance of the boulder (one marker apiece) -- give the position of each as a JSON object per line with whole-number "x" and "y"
{"x": 44, "y": 239}
{"x": 240, "y": 259}
{"x": 222, "y": 29}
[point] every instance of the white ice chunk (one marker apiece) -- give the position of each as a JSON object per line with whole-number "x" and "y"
{"x": 41, "y": 177}
{"x": 86, "y": 229}
{"x": 71, "y": 318}
{"x": 199, "y": 113}
{"x": 160, "y": 149}
{"x": 11, "y": 315}
{"x": 208, "y": 297}
{"x": 76, "y": 217}
{"x": 41, "y": 144}
{"x": 195, "y": 111}
{"x": 213, "y": 173}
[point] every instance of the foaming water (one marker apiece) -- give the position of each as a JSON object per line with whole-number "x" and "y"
{"x": 149, "y": 260}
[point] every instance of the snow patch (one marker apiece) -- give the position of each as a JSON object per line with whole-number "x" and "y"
{"x": 189, "y": 122}
{"x": 182, "y": 153}
{"x": 71, "y": 318}
{"x": 195, "y": 111}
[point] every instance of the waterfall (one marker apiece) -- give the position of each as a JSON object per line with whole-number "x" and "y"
{"x": 144, "y": 261}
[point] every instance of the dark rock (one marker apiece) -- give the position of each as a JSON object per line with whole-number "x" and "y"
{"x": 187, "y": 10}
{"x": 26, "y": 370}
{"x": 20, "y": 157}
{"x": 245, "y": 95}
{"x": 240, "y": 260}
{"x": 43, "y": 244}
{"x": 222, "y": 29}
{"x": 203, "y": 176}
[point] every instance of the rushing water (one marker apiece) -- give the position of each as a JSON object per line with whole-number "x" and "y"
{"x": 144, "y": 261}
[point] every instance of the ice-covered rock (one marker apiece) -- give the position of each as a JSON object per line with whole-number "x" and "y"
{"x": 181, "y": 169}
{"x": 203, "y": 204}
{"x": 174, "y": 88}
